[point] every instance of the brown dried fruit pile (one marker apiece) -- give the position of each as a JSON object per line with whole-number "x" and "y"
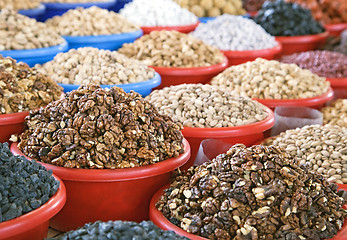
{"x": 93, "y": 127}
{"x": 254, "y": 193}
{"x": 23, "y": 88}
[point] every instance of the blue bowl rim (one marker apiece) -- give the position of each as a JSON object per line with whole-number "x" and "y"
{"x": 151, "y": 83}
{"x": 38, "y": 52}
{"x": 201, "y": 19}
{"x": 38, "y": 10}
{"x": 56, "y": 6}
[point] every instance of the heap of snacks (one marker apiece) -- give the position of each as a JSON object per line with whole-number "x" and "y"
{"x": 172, "y": 49}
{"x": 229, "y": 32}
{"x": 198, "y": 105}
{"x": 324, "y": 148}
{"x": 157, "y": 13}
{"x": 19, "y": 4}
{"x": 24, "y": 185}
{"x": 92, "y": 65}
{"x": 336, "y": 113}
{"x": 254, "y": 193}
{"x": 21, "y": 32}
{"x": 23, "y": 88}
{"x": 91, "y": 21}
{"x": 266, "y": 79}
{"x": 252, "y": 5}
{"x": 93, "y": 127}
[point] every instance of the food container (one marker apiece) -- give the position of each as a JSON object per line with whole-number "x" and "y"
{"x": 12, "y": 123}
{"x": 107, "y": 194}
{"x": 314, "y": 102}
{"x": 335, "y": 29}
{"x": 252, "y": 13}
{"x": 175, "y": 75}
{"x": 35, "y": 56}
{"x": 206, "y": 19}
{"x": 293, "y": 44}
{"x": 144, "y": 88}
{"x": 34, "y": 225}
{"x": 246, "y": 134}
{"x": 239, "y": 57}
{"x": 34, "y": 13}
{"x": 182, "y": 29}
{"x": 119, "y": 5}
{"x": 159, "y": 219}
{"x": 54, "y": 9}
{"x": 339, "y": 86}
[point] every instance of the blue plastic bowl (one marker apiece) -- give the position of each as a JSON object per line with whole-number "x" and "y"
{"x": 57, "y": 9}
{"x": 109, "y": 42}
{"x": 144, "y": 88}
{"x": 34, "y": 13}
{"x": 206, "y": 19}
{"x": 119, "y": 5}
{"x": 35, "y": 56}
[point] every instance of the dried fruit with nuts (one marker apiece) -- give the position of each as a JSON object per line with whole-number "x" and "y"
{"x": 92, "y": 127}
{"x": 23, "y": 88}
{"x": 336, "y": 113}
{"x": 254, "y": 193}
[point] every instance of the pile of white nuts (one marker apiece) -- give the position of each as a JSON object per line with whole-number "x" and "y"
{"x": 236, "y": 33}
{"x": 157, "y": 13}
{"x": 92, "y": 65}
{"x": 172, "y": 49}
{"x": 19, "y": 4}
{"x": 18, "y": 32}
{"x": 205, "y": 106}
{"x": 336, "y": 113}
{"x": 323, "y": 148}
{"x": 91, "y": 21}
{"x": 264, "y": 79}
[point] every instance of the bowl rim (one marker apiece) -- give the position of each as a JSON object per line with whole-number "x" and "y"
{"x": 147, "y": 29}
{"x": 38, "y": 10}
{"x": 112, "y": 175}
{"x": 12, "y": 118}
{"x": 335, "y": 26}
{"x": 303, "y": 38}
{"x": 57, "y": 6}
{"x": 29, "y": 220}
{"x": 36, "y": 52}
{"x": 338, "y": 82}
{"x": 249, "y": 53}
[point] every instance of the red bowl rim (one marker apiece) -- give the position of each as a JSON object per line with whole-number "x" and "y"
{"x": 338, "y": 82}
{"x": 11, "y": 118}
{"x": 188, "y": 27}
{"x": 335, "y": 26}
{"x": 36, "y": 217}
{"x": 253, "y": 53}
{"x": 303, "y": 102}
{"x": 192, "y": 71}
{"x": 112, "y": 175}
{"x": 303, "y": 39}
{"x": 237, "y": 131}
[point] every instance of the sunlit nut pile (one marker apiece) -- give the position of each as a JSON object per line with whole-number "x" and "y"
{"x": 198, "y": 105}
{"x": 19, "y": 32}
{"x": 229, "y": 32}
{"x": 213, "y": 8}
{"x": 323, "y": 63}
{"x": 19, "y": 4}
{"x": 336, "y": 113}
{"x": 23, "y": 88}
{"x": 91, "y": 21}
{"x": 172, "y": 49}
{"x": 93, "y": 65}
{"x": 254, "y": 193}
{"x": 157, "y": 13}
{"x": 92, "y": 127}
{"x": 323, "y": 148}
{"x": 266, "y": 79}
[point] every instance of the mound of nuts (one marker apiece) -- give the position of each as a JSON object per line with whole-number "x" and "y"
{"x": 254, "y": 193}
{"x": 336, "y": 113}
{"x": 92, "y": 127}
{"x": 93, "y": 65}
{"x": 213, "y": 8}
{"x": 264, "y": 79}
{"x": 19, "y": 4}
{"x": 72, "y": 1}
{"x": 19, "y": 32}
{"x": 322, "y": 148}
{"x": 23, "y": 88}
{"x": 206, "y": 106}
{"x": 172, "y": 49}
{"x": 91, "y": 21}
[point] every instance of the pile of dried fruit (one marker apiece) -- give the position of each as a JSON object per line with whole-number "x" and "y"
{"x": 336, "y": 113}
{"x": 254, "y": 193}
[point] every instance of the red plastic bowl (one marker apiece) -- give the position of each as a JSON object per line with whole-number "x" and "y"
{"x": 314, "y": 102}
{"x": 246, "y": 134}
{"x": 252, "y": 13}
{"x": 340, "y": 87}
{"x": 239, "y": 57}
{"x": 159, "y": 219}
{"x": 11, "y": 124}
{"x": 175, "y": 76}
{"x": 301, "y": 43}
{"x": 105, "y": 194}
{"x": 182, "y": 29}
{"x": 34, "y": 225}
{"x": 335, "y": 29}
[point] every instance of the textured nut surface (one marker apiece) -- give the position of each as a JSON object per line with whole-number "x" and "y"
{"x": 198, "y": 105}
{"x": 266, "y": 79}
{"x": 19, "y": 4}
{"x": 172, "y": 49}
{"x": 93, "y": 65}
{"x": 23, "y": 88}
{"x": 336, "y": 113}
